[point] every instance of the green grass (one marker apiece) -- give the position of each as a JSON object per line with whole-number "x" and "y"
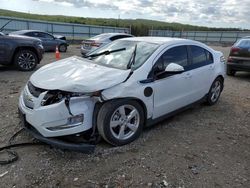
{"x": 139, "y": 27}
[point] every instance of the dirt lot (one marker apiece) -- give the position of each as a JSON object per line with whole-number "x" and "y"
{"x": 201, "y": 147}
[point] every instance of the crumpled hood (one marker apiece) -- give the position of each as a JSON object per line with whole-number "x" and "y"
{"x": 75, "y": 74}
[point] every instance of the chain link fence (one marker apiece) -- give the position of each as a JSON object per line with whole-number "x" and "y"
{"x": 222, "y": 37}
{"x": 71, "y": 31}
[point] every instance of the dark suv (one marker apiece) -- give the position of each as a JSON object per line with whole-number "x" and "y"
{"x": 23, "y": 52}
{"x": 239, "y": 57}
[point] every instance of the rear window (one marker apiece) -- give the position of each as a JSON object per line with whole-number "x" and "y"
{"x": 244, "y": 43}
{"x": 100, "y": 37}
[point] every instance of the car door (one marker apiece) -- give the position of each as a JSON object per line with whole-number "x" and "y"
{"x": 171, "y": 92}
{"x": 202, "y": 71}
{"x": 2, "y": 49}
{"x": 49, "y": 41}
{"x": 5, "y": 49}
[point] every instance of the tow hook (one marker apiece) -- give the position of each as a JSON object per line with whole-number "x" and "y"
{"x": 67, "y": 101}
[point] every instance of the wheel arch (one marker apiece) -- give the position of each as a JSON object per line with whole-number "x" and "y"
{"x": 23, "y": 48}
{"x": 98, "y": 106}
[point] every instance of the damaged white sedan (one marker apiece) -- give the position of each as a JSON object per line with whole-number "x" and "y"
{"x": 122, "y": 87}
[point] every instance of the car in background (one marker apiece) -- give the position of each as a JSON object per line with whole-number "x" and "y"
{"x": 49, "y": 41}
{"x": 23, "y": 52}
{"x": 121, "y": 88}
{"x": 239, "y": 57}
{"x": 98, "y": 41}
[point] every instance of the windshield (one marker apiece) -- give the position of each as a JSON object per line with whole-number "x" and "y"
{"x": 118, "y": 54}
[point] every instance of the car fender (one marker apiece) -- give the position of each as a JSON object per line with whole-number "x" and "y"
{"x": 131, "y": 90}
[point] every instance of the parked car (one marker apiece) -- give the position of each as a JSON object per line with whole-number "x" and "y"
{"x": 121, "y": 87}
{"x": 49, "y": 41}
{"x": 23, "y": 52}
{"x": 100, "y": 40}
{"x": 239, "y": 57}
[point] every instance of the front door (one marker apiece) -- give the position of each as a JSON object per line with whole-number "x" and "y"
{"x": 172, "y": 92}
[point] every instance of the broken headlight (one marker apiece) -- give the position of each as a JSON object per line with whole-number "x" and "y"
{"x": 57, "y": 96}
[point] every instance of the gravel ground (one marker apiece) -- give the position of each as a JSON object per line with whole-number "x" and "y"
{"x": 205, "y": 146}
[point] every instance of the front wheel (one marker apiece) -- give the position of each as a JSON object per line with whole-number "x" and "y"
{"x": 63, "y": 48}
{"x": 120, "y": 122}
{"x": 215, "y": 91}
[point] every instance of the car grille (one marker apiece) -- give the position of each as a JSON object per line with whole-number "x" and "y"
{"x": 35, "y": 91}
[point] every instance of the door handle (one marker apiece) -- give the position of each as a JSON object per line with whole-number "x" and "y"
{"x": 188, "y": 75}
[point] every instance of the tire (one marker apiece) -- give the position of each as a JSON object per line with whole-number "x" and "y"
{"x": 215, "y": 91}
{"x": 62, "y": 48}
{"x": 230, "y": 72}
{"x": 117, "y": 112}
{"x": 25, "y": 60}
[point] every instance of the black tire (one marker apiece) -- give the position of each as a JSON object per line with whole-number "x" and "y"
{"x": 108, "y": 110}
{"x": 26, "y": 60}
{"x": 62, "y": 48}
{"x": 230, "y": 72}
{"x": 212, "y": 98}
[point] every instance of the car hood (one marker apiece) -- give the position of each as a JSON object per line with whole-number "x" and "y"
{"x": 22, "y": 37}
{"x": 75, "y": 74}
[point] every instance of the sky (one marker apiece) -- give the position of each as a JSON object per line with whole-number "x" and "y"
{"x": 210, "y": 13}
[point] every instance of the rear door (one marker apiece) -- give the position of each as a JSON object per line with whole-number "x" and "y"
{"x": 201, "y": 70}
{"x": 48, "y": 40}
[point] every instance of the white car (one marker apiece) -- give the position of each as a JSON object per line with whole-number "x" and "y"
{"x": 122, "y": 87}
{"x": 98, "y": 41}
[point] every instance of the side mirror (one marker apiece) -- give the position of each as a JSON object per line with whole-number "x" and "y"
{"x": 174, "y": 68}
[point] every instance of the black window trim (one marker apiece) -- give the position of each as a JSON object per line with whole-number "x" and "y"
{"x": 195, "y": 66}
{"x": 152, "y": 77}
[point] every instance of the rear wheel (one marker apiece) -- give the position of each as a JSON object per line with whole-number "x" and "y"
{"x": 25, "y": 60}
{"x": 215, "y": 91}
{"x": 120, "y": 122}
{"x": 62, "y": 48}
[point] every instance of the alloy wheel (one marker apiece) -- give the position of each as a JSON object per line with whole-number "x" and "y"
{"x": 26, "y": 61}
{"x": 215, "y": 91}
{"x": 124, "y": 122}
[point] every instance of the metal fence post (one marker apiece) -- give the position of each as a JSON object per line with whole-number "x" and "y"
{"x": 28, "y": 25}
{"x": 221, "y": 36}
{"x": 73, "y": 34}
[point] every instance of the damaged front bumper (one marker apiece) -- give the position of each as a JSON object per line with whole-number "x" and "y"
{"x": 56, "y": 142}
{"x": 51, "y": 122}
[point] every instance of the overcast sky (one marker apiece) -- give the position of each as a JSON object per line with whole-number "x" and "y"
{"x": 215, "y": 13}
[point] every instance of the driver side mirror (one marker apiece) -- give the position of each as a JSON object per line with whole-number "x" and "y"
{"x": 174, "y": 68}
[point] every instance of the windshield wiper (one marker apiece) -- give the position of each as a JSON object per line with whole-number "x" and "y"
{"x": 107, "y": 52}
{"x": 132, "y": 59}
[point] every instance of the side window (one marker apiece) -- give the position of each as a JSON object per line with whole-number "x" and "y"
{"x": 176, "y": 55}
{"x": 200, "y": 56}
{"x": 45, "y": 35}
{"x": 32, "y": 34}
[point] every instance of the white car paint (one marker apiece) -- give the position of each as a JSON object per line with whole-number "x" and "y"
{"x": 80, "y": 75}
{"x": 76, "y": 74}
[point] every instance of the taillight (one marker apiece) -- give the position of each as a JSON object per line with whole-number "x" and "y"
{"x": 229, "y": 59}
{"x": 222, "y": 59}
{"x": 235, "y": 50}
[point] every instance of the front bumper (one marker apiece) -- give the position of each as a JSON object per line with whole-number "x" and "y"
{"x": 48, "y": 119}
{"x": 58, "y": 143}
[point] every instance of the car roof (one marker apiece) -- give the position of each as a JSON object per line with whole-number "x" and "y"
{"x": 26, "y": 31}
{"x": 160, "y": 40}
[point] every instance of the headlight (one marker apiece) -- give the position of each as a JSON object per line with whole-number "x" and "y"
{"x": 53, "y": 97}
